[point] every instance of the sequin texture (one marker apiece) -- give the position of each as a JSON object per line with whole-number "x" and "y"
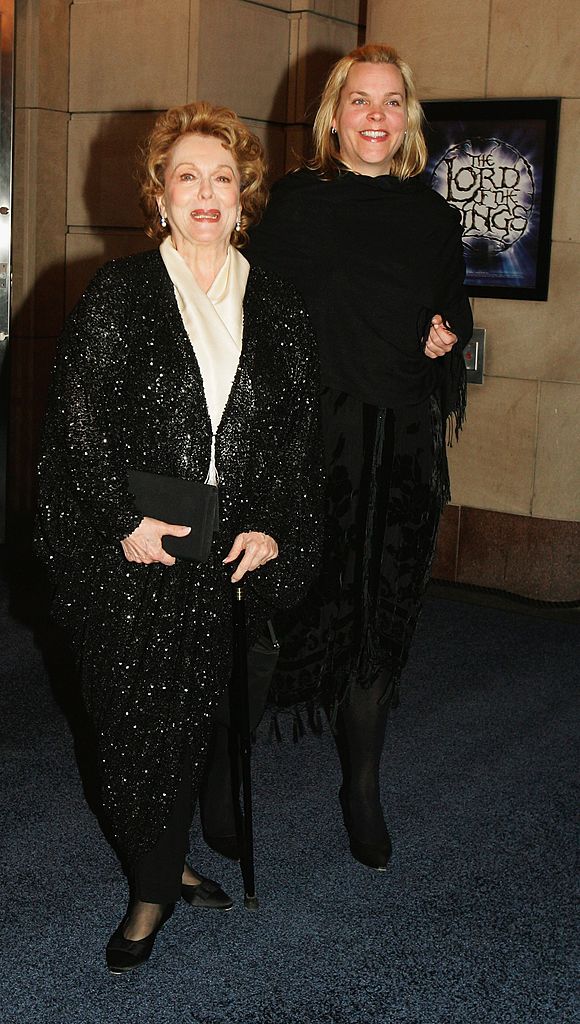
{"x": 154, "y": 642}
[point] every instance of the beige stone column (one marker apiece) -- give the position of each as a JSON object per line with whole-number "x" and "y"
{"x": 39, "y": 229}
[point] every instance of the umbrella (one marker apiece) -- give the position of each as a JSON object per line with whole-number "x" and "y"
{"x": 241, "y": 725}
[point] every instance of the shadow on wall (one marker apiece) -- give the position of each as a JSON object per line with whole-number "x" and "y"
{"x": 37, "y": 323}
{"x": 307, "y": 75}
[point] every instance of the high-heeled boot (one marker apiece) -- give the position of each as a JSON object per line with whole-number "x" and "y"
{"x": 360, "y": 735}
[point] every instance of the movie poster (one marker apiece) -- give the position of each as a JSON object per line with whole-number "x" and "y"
{"x": 494, "y": 161}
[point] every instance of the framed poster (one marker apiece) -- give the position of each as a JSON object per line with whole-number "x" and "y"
{"x": 495, "y": 161}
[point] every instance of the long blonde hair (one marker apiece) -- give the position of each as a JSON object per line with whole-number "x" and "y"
{"x": 411, "y": 158}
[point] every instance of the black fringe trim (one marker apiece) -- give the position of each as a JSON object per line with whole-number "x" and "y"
{"x": 300, "y": 719}
{"x": 454, "y": 398}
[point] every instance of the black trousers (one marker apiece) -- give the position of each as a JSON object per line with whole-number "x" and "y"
{"x": 156, "y": 877}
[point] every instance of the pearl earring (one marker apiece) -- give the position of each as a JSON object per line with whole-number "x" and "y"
{"x": 162, "y": 219}
{"x": 238, "y": 223}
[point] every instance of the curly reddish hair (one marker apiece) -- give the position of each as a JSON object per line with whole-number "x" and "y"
{"x": 203, "y": 118}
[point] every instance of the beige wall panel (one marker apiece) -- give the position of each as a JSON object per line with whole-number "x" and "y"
{"x": 39, "y": 224}
{"x": 129, "y": 54}
{"x": 446, "y": 45}
{"x": 566, "y": 226}
{"x": 492, "y": 466}
{"x": 316, "y": 45}
{"x": 41, "y": 63}
{"x": 252, "y": 78}
{"x": 85, "y": 253}
{"x": 534, "y": 48}
{"x": 557, "y": 484}
{"x": 537, "y": 340}
{"x": 102, "y": 160}
{"x": 273, "y": 138}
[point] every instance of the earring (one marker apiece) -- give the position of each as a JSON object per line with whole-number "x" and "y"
{"x": 162, "y": 220}
{"x": 333, "y": 131}
{"x": 238, "y": 223}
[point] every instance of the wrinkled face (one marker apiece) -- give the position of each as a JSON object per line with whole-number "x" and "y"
{"x": 202, "y": 192}
{"x": 371, "y": 117}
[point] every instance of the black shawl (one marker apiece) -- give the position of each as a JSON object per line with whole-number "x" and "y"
{"x": 375, "y": 259}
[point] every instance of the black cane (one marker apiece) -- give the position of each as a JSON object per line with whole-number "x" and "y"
{"x": 242, "y": 727}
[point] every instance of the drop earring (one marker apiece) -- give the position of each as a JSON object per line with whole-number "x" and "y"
{"x": 238, "y": 222}
{"x": 162, "y": 220}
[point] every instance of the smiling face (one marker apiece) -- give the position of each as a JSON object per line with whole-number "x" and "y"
{"x": 371, "y": 117}
{"x": 201, "y": 200}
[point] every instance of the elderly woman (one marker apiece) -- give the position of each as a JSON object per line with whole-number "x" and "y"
{"x": 184, "y": 362}
{"x": 377, "y": 256}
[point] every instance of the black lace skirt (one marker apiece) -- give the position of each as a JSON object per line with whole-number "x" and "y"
{"x": 387, "y": 483}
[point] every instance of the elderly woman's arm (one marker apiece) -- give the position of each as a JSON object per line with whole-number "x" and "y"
{"x": 83, "y": 493}
{"x": 84, "y": 498}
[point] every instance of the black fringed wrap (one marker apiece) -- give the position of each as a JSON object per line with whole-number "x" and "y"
{"x": 375, "y": 259}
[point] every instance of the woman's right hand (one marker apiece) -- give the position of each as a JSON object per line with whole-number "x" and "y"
{"x": 144, "y": 544}
{"x": 441, "y": 338}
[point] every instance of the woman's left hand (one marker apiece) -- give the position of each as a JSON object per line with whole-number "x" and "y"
{"x": 259, "y": 548}
{"x": 441, "y": 339}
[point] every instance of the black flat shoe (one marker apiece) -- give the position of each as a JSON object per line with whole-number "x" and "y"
{"x": 125, "y": 955}
{"x": 207, "y": 895}
{"x": 372, "y": 855}
{"x": 226, "y": 846}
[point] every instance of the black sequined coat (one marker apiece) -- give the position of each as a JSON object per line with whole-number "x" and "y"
{"x": 154, "y": 641}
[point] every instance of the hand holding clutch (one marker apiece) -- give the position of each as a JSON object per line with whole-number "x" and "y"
{"x": 169, "y": 499}
{"x": 145, "y": 545}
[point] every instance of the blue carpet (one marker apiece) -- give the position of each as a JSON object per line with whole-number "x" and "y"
{"x": 473, "y": 921}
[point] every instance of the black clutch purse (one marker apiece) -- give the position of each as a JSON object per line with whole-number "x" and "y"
{"x": 183, "y": 503}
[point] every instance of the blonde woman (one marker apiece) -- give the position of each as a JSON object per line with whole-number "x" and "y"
{"x": 377, "y": 256}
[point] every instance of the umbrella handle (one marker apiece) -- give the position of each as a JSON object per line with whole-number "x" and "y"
{"x": 242, "y": 726}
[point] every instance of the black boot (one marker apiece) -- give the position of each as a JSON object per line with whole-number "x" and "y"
{"x": 360, "y": 735}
